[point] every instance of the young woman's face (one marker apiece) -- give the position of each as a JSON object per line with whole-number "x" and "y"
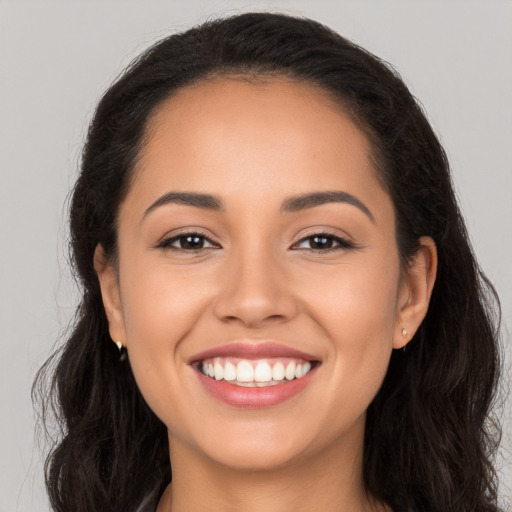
{"x": 257, "y": 243}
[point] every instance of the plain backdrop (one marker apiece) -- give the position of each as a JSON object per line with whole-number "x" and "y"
{"x": 56, "y": 58}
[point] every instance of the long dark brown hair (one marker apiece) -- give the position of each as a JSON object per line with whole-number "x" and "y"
{"x": 429, "y": 439}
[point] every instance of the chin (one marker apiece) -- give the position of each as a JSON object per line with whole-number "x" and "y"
{"x": 244, "y": 457}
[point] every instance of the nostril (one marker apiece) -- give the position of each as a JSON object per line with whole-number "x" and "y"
{"x": 255, "y": 304}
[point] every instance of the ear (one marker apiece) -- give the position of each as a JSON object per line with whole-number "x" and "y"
{"x": 109, "y": 285}
{"x": 415, "y": 292}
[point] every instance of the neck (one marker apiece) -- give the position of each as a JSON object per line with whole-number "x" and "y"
{"x": 328, "y": 482}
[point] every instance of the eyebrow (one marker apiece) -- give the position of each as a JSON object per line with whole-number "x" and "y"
{"x": 304, "y": 201}
{"x": 289, "y": 205}
{"x": 204, "y": 201}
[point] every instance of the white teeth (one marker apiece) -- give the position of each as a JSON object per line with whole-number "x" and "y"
{"x": 229, "y": 371}
{"x": 251, "y": 373}
{"x": 305, "y": 368}
{"x": 244, "y": 372}
{"x": 290, "y": 371}
{"x": 219, "y": 371}
{"x": 278, "y": 371}
{"x": 262, "y": 372}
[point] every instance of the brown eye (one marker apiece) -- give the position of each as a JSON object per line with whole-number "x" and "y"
{"x": 324, "y": 242}
{"x": 321, "y": 242}
{"x": 187, "y": 242}
{"x": 191, "y": 242}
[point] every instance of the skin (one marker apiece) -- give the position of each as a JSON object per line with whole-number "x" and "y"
{"x": 254, "y": 145}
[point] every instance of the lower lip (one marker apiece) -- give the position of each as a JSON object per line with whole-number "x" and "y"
{"x": 254, "y": 398}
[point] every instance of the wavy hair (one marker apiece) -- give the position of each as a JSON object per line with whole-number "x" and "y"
{"x": 429, "y": 441}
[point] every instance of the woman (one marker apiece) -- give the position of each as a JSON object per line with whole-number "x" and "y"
{"x": 279, "y": 299}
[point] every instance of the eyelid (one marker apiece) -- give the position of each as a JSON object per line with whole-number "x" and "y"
{"x": 343, "y": 242}
{"x": 165, "y": 241}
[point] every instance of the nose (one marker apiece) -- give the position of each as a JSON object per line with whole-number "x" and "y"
{"x": 255, "y": 291}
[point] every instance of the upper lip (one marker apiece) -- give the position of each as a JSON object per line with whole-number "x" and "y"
{"x": 245, "y": 350}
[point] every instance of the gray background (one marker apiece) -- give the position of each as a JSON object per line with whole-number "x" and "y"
{"x": 57, "y": 57}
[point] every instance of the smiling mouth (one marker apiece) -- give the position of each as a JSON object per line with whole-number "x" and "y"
{"x": 255, "y": 372}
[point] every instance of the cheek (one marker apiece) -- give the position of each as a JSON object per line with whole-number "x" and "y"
{"x": 358, "y": 312}
{"x": 159, "y": 300}
{"x": 160, "y": 309}
{"x": 358, "y": 299}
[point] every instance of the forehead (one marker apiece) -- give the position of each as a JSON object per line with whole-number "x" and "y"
{"x": 256, "y": 107}
{"x": 254, "y": 138}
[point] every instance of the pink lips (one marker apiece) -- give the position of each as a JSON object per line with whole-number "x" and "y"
{"x": 253, "y": 397}
{"x": 252, "y": 351}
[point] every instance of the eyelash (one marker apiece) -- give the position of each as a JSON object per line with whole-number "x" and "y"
{"x": 343, "y": 243}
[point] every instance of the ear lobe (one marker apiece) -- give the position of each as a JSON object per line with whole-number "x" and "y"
{"x": 109, "y": 285}
{"x": 415, "y": 292}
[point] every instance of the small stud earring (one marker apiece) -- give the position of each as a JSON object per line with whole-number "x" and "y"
{"x": 122, "y": 350}
{"x": 404, "y": 336}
